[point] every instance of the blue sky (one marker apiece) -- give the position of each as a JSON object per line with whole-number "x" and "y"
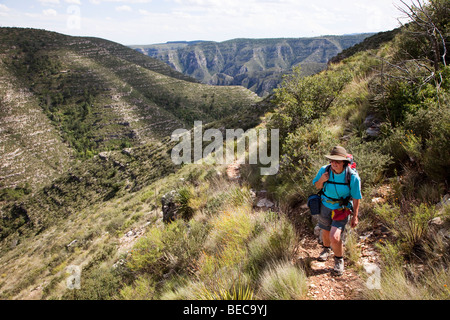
{"x": 157, "y": 21}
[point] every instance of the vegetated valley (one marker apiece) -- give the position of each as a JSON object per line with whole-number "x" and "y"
{"x": 86, "y": 168}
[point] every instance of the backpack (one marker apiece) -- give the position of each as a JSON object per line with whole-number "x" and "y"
{"x": 350, "y": 169}
{"x": 314, "y": 200}
{"x": 352, "y": 164}
{"x": 314, "y": 204}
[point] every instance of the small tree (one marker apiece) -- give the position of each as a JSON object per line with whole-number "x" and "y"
{"x": 430, "y": 22}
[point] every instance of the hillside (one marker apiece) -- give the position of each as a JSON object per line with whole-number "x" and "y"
{"x": 257, "y": 64}
{"x": 128, "y": 224}
{"x": 64, "y": 97}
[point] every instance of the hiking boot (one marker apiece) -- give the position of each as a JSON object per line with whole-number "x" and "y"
{"x": 325, "y": 254}
{"x": 338, "y": 266}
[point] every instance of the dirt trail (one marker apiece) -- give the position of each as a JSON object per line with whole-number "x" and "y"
{"x": 234, "y": 171}
{"x": 322, "y": 284}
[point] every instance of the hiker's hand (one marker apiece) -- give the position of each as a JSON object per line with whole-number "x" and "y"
{"x": 354, "y": 221}
{"x": 325, "y": 177}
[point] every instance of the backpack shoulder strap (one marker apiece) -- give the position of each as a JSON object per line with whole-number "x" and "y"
{"x": 348, "y": 175}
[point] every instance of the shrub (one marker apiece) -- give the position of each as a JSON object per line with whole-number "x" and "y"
{"x": 147, "y": 253}
{"x": 228, "y": 285}
{"x": 276, "y": 242}
{"x": 391, "y": 255}
{"x": 283, "y": 281}
{"x": 302, "y": 99}
{"x": 239, "y": 196}
{"x": 183, "y": 199}
{"x": 174, "y": 247}
{"x": 410, "y": 227}
{"x": 142, "y": 289}
{"x": 232, "y": 226}
{"x": 96, "y": 284}
{"x": 402, "y": 284}
{"x": 371, "y": 162}
{"x": 353, "y": 251}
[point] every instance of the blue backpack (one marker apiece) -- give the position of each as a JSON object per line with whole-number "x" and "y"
{"x": 314, "y": 203}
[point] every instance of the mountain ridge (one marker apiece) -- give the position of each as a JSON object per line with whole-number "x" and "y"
{"x": 257, "y": 64}
{"x": 93, "y": 95}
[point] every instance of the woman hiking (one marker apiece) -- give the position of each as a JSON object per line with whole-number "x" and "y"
{"x": 340, "y": 189}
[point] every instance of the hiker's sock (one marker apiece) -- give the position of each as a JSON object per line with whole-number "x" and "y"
{"x": 339, "y": 257}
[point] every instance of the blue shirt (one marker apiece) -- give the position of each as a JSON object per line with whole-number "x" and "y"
{"x": 338, "y": 191}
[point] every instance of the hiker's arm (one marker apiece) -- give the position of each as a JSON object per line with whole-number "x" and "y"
{"x": 324, "y": 178}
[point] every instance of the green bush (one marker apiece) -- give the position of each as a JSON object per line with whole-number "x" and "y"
{"x": 276, "y": 242}
{"x": 143, "y": 288}
{"x": 409, "y": 227}
{"x": 170, "y": 248}
{"x": 184, "y": 195}
{"x": 96, "y": 284}
{"x": 371, "y": 161}
{"x": 283, "y": 281}
{"x": 301, "y": 99}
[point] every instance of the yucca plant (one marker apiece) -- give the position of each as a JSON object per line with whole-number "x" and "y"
{"x": 183, "y": 199}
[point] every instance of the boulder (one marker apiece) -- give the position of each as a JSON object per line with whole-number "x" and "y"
{"x": 169, "y": 206}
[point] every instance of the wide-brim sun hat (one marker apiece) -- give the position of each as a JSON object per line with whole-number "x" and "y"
{"x": 338, "y": 153}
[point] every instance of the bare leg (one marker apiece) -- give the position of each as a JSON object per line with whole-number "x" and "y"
{"x": 334, "y": 238}
{"x": 326, "y": 238}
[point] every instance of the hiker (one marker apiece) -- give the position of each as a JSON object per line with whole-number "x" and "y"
{"x": 340, "y": 192}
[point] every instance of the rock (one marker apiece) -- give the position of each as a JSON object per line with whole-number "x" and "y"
{"x": 103, "y": 156}
{"x": 72, "y": 243}
{"x": 373, "y": 125}
{"x": 169, "y": 206}
{"x": 264, "y": 203}
{"x": 373, "y": 131}
{"x": 436, "y": 221}
{"x": 262, "y": 193}
{"x": 377, "y": 200}
{"x": 377, "y": 232}
{"x": 127, "y": 151}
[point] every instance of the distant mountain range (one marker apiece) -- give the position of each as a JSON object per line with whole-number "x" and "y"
{"x": 257, "y": 64}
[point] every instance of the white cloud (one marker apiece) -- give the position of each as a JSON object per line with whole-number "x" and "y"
{"x": 122, "y": 1}
{"x": 49, "y": 2}
{"x": 50, "y": 12}
{"x": 218, "y": 20}
{"x": 124, "y": 8}
{"x": 78, "y": 2}
{"x": 4, "y": 8}
{"x": 144, "y": 12}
